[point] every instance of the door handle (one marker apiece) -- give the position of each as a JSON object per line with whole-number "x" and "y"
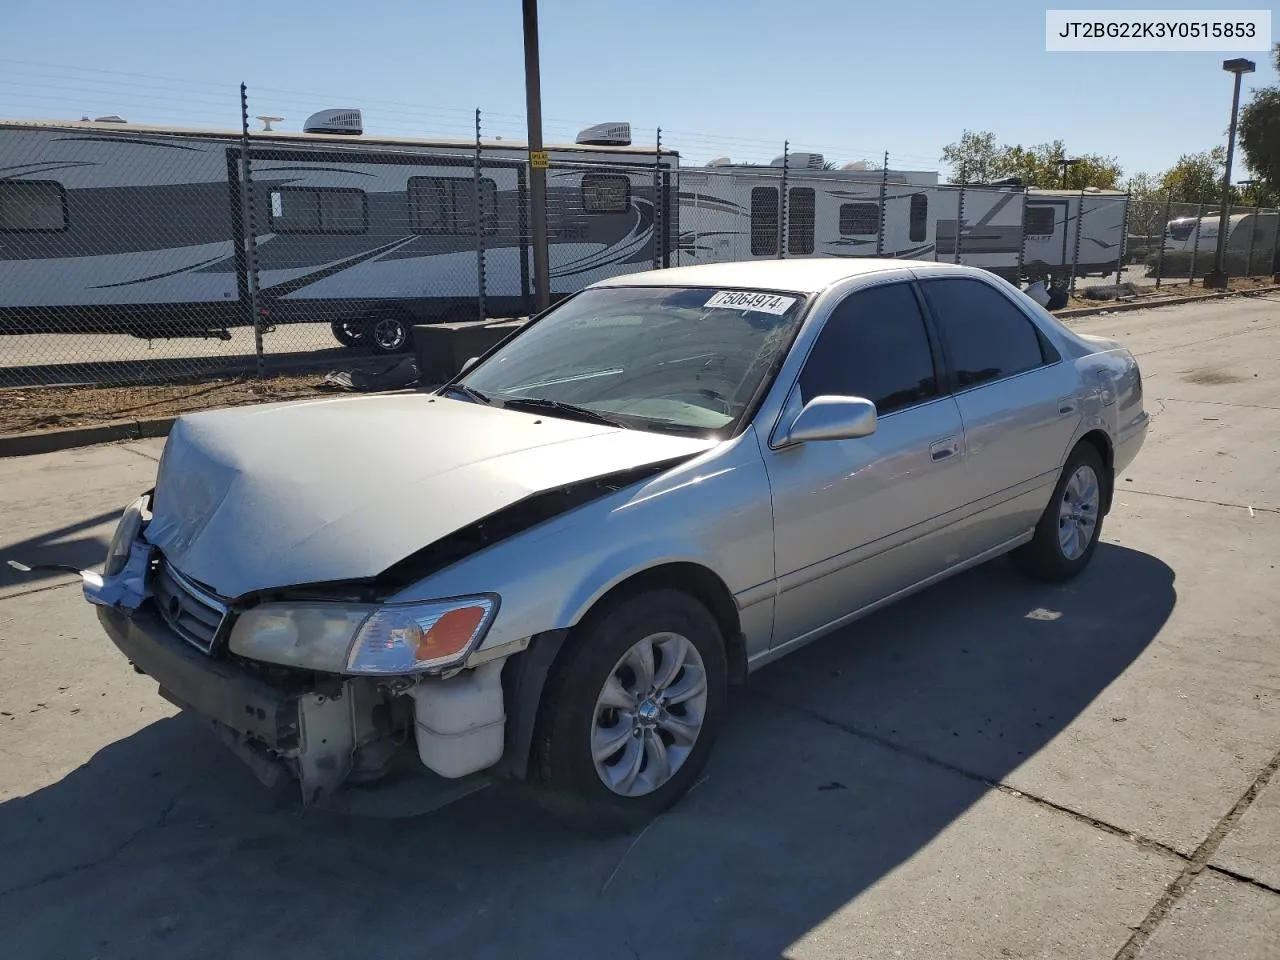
{"x": 943, "y": 449}
{"x": 1066, "y": 405}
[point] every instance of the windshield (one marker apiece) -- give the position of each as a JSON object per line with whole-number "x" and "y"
{"x": 653, "y": 358}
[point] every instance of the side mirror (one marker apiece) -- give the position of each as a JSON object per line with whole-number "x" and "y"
{"x": 471, "y": 362}
{"x": 832, "y": 418}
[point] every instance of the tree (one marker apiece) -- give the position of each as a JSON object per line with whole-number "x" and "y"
{"x": 1146, "y": 205}
{"x": 975, "y": 158}
{"x": 1260, "y": 135}
{"x": 1196, "y": 177}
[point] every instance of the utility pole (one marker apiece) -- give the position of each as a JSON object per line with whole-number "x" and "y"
{"x": 537, "y": 159}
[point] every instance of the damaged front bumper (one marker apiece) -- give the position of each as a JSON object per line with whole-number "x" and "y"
{"x": 320, "y": 731}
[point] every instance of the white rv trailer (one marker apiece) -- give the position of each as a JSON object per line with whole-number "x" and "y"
{"x": 733, "y": 212}
{"x": 118, "y": 227}
{"x": 1246, "y": 233}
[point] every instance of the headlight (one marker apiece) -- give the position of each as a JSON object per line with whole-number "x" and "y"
{"x": 364, "y": 639}
{"x": 127, "y": 531}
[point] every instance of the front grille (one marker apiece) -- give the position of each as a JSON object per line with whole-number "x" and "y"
{"x": 194, "y": 614}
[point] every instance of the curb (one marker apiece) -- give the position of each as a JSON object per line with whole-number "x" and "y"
{"x": 51, "y": 441}
{"x": 1113, "y": 307}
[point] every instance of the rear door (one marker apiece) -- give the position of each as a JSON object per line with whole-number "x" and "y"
{"x": 1019, "y": 401}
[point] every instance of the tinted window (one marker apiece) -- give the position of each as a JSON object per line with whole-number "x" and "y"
{"x": 919, "y": 217}
{"x": 606, "y": 193}
{"x": 800, "y": 221}
{"x": 764, "y": 222}
{"x": 317, "y": 210}
{"x": 859, "y": 219}
{"x": 985, "y": 335}
{"x": 447, "y": 205}
{"x": 1039, "y": 221}
{"x": 874, "y": 345}
{"x": 32, "y": 205}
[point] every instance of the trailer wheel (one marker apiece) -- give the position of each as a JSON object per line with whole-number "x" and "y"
{"x": 349, "y": 333}
{"x": 388, "y": 333}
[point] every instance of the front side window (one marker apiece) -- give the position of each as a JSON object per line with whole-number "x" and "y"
{"x": 318, "y": 210}
{"x": 606, "y": 193}
{"x": 875, "y": 346}
{"x": 859, "y": 219}
{"x": 447, "y": 205}
{"x": 32, "y": 206}
{"x": 1039, "y": 221}
{"x": 683, "y": 359}
{"x": 985, "y": 335}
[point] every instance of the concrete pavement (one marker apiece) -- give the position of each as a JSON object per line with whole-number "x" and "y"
{"x": 990, "y": 769}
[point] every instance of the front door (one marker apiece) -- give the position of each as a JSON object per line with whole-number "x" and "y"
{"x": 854, "y": 520}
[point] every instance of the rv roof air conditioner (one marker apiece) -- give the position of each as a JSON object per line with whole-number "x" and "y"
{"x": 110, "y": 118}
{"x": 857, "y": 165}
{"x": 335, "y": 121}
{"x": 801, "y": 161}
{"x": 720, "y": 162}
{"x": 606, "y": 135}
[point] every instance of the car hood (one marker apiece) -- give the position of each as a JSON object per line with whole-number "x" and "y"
{"x": 309, "y": 492}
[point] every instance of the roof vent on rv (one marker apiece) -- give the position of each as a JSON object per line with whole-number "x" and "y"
{"x": 801, "y": 161}
{"x": 335, "y": 121}
{"x": 720, "y": 162}
{"x": 857, "y": 165}
{"x": 110, "y": 118}
{"x": 606, "y": 135}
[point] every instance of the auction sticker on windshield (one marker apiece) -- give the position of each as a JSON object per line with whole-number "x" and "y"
{"x": 745, "y": 300}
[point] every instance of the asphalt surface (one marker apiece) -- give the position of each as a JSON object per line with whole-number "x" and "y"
{"x": 990, "y": 769}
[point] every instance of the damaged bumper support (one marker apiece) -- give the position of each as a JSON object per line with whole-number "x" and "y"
{"x": 320, "y": 734}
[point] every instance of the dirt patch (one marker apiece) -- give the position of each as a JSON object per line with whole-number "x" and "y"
{"x": 48, "y": 408}
{"x": 1211, "y": 376}
{"x": 1179, "y": 288}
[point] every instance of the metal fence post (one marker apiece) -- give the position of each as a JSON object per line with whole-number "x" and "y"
{"x": 782, "y": 202}
{"x": 1075, "y": 253}
{"x": 1275, "y": 249}
{"x": 479, "y": 214}
{"x": 1168, "y": 209}
{"x": 250, "y": 238}
{"x": 658, "y": 238}
{"x": 1022, "y": 242}
{"x": 884, "y": 189}
{"x": 1124, "y": 240}
{"x": 1253, "y": 236}
{"x": 1195, "y": 245}
{"x": 959, "y": 223}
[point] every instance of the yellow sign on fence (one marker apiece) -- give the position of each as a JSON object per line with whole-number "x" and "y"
{"x": 538, "y": 159}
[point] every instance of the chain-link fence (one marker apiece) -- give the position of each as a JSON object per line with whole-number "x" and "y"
{"x": 148, "y": 254}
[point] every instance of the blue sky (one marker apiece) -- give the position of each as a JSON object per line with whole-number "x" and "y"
{"x": 850, "y": 79}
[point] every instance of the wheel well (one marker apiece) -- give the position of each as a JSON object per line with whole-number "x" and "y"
{"x": 701, "y": 584}
{"x": 1102, "y": 443}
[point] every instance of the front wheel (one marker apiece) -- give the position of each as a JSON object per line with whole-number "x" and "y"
{"x": 632, "y": 712}
{"x": 349, "y": 333}
{"x": 388, "y": 333}
{"x": 1071, "y": 524}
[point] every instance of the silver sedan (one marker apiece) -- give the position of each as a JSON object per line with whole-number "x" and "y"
{"x": 551, "y": 568}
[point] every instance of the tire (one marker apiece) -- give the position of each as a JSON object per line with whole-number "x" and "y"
{"x": 387, "y": 333}
{"x": 1052, "y": 555}
{"x": 606, "y": 651}
{"x": 349, "y": 333}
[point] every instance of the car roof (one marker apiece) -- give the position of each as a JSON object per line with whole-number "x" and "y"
{"x": 796, "y": 276}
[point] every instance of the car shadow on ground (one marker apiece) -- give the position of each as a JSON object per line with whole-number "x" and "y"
{"x": 836, "y": 766}
{"x": 67, "y": 545}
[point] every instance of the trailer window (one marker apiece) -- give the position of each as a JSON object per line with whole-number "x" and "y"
{"x": 800, "y": 221}
{"x": 447, "y": 205}
{"x": 859, "y": 219}
{"x": 319, "y": 210}
{"x": 1039, "y": 221}
{"x": 919, "y": 226}
{"x": 606, "y": 193}
{"x": 32, "y": 206}
{"x": 764, "y": 222}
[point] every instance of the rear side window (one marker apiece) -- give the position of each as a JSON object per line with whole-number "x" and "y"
{"x": 764, "y": 221}
{"x": 874, "y": 345}
{"x": 606, "y": 193}
{"x": 318, "y": 210}
{"x": 32, "y": 206}
{"x": 800, "y": 221}
{"x": 1039, "y": 221}
{"x": 985, "y": 335}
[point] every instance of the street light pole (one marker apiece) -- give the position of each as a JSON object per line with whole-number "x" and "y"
{"x": 537, "y": 167}
{"x": 1217, "y": 277}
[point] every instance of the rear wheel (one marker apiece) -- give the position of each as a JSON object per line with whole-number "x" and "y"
{"x": 632, "y": 712}
{"x": 349, "y": 333}
{"x": 388, "y": 333}
{"x": 1071, "y": 524}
